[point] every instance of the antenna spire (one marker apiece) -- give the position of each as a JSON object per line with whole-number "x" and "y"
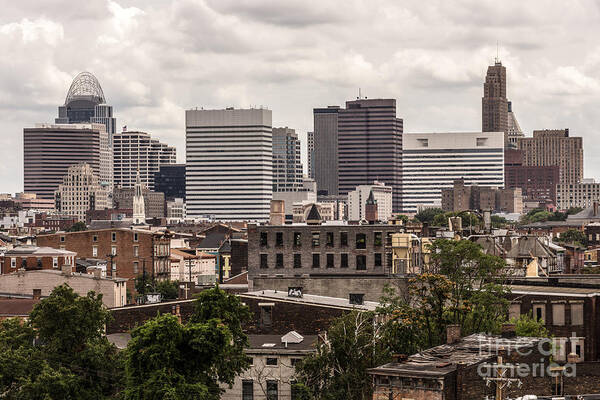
{"x": 359, "y": 94}
{"x": 497, "y": 58}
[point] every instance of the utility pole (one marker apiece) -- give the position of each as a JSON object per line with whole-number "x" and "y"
{"x": 501, "y": 380}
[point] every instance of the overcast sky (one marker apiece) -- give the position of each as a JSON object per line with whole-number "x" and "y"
{"x": 155, "y": 58}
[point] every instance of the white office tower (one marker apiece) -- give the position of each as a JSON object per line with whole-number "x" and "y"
{"x": 432, "y": 161}
{"x": 229, "y": 164}
{"x": 357, "y": 199}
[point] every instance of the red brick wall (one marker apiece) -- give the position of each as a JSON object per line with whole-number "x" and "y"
{"x": 32, "y": 263}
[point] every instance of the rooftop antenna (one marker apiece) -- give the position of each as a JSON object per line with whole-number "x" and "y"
{"x": 359, "y": 94}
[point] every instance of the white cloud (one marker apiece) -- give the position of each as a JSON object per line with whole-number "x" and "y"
{"x": 155, "y": 58}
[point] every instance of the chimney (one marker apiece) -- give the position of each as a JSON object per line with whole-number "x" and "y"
{"x": 67, "y": 269}
{"x": 176, "y": 311}
{"x": 595, "y": 209}
{"x": 509, "y": 331}
{"x": 277, "y": 215}
{"x": 37, "y": 294}
{"x": 452, "y": 334}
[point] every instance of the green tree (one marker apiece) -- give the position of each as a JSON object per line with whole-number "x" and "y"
{"x": 169, "y": 290}
{"x": 169, "y": 360}
{"x": 499, "y": 222}
{"x": 70, "y": 357}
{"x": 338, "y": 370}
{"x": 528, "y": 326}
{"x": 574, "y": 210}
{"x": 403, "y": 218}
{"x": 77, "y": 227}
{"x": 427, "y": 215}
{"x": 573, "y": 236}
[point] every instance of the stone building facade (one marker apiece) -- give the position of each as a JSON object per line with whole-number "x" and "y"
{"x": 154, "y": 202}
{"x": 113, "y": 290}
{"x": 301, "y": 250}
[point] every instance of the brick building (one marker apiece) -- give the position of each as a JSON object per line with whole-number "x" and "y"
{"x": 538, "y": 183}
{"x": 128, "y": 251}
{"x": 474, "y": 197}
{"x": 570, "y": 314}
{"x": 296, "y": 250}
{"x": 555, "y": 148}
{"x": 34, "y": 258}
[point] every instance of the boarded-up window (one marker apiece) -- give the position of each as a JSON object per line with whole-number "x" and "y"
{"x": 514, "y": 311}
{"x": 577, "y": 314}
{"x": 539, "y": 312}
{"x": 558, "y": 314}
{"x": 559, "y": 349}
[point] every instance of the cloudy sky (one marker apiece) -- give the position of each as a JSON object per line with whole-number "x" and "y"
{"x": 155, "y": 58}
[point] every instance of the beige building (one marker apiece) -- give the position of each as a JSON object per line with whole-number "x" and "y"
{"x": 79, "y": 192}
{"x": 272, "y": 369}
{"x": 301, "y": 210}
{"x": 187, "y": 267}
{"x": 24, "y": 282}
{"x": 555, "y": 147}
{"x": 358, "y": 198}
{"x": 582, "y": 194}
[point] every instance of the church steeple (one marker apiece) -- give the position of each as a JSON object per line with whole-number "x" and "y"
{"x": 139, "y": 209}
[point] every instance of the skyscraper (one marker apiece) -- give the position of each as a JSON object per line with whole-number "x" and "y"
{"x": 370, "y": 146}
{"x": 138, "y": 152}
{"x": 79, "y": 192}
{"x": 170, "y": 180}
{"x": 287, "y": 167}
{"x": 326, "y": 150}
{"x": 551, "y": 147}
{"x": 494, "y": 104}
{"x": 49, "y": 151}
{"x": 310, "y": 154}
{"x": 85, "y": 102}
{"x": 514, "y": 129}
{"x": 229, "y": 163}
{"x": 433, "y": 161}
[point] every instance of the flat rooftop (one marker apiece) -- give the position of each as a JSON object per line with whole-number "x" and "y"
{"x": 316, "y": 300}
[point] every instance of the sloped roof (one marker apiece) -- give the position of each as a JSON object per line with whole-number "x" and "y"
{"x": 212, "y": 241}
{"x": 35, "y": 251}
{"x": 313, "y": 214}
{"x": 16, "y": 307}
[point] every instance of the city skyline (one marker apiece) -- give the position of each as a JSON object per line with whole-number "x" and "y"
{"x": 553, "y": 83}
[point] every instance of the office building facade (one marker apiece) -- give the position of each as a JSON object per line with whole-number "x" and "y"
{"x": 170, "y": 180}
{"x": 538, "y": 183}
{"x": 310, "y": 154}
{"x": 357, "y": 199}
{"x": 50, "y": 149}
{"x": 85, "y": 102}
{"x": 229, "y": 164}
{"x": 287, "y": 164}
{"x": 357, "y": 145}
{"x": 494, "y": 104}
{"x": 326, "y": 150}
{"x": 583, "y": 194}
{"x": 433, "y": 161}
{"x": 551, "y": 147}
{"x": 137, "y": 151}
{"x": 79, "y": 192}
{"x": 154, "y": 202}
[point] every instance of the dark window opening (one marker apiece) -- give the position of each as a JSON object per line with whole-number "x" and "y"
{"x": 330, "y": 239}
{"x": 297, "y": 260}
{"x": 361, "y": 262}
{"x": 344, "y": 260}
{"x": 247, "y": 390}
{"x": 378, "y": 258}
{"x": 356, "y": 298}
{"x": 279, "y": 260}
{"x": 377, "y": 239}
{"x": 264, "y": 239}
{"x": 279, "y": 239}
{"x": 271, "y": 361}
{"x": 343, "y": 238}
{"x": 316, "y": 261}
{"x": 272, "y": 392}
{"x": 329, "y": 260}
{"x": 264, "y": 261}
{"x": 297, "y": 239}
{"x": 361, "y": 241}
